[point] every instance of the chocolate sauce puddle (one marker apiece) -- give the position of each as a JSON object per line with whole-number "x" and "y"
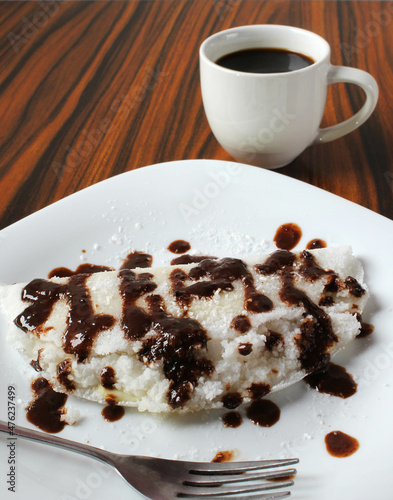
{"x": 47, "y": 407}
{"x": 179, "y": 246}
{"x": 333, "y": 380}
{"x": 287, "y": 236}
{"x": 232, "y": 400}
{"x": 341, "y": 445}
{"x": 263, "y": 413}
{"x": 232, "y": 419}
{"x": 316, "y": 243}
{"x": 112, "y": 412}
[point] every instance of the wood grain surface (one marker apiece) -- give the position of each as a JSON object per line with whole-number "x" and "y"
{"x": 92, "y": 89}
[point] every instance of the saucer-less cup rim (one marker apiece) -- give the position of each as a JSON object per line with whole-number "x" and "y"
{"x": 319, "y": 50}
{"x": 210, "y": 51}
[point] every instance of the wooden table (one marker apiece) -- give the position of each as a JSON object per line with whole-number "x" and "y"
{"x": 92, "y": 89}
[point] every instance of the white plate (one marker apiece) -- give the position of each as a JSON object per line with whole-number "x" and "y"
{"x": 221, "y": 208}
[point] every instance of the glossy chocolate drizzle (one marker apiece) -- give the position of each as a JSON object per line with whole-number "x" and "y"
{"x": 317, "y": 334}
{"x": 83, "y": 325}
{"x": 137, "y": 259}
{"x": 179, "y": 344}
{"x": 222, "y": 273}
{"x": 63, "y": 370}
{"x": 108, "y": 377}
{"x": 86, "y": 268}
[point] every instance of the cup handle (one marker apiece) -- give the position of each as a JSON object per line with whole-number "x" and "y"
{"x": 364, "y": 80}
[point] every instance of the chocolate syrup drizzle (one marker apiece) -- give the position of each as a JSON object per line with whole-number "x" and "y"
{"x": 83, "y": 325}
{"x": 273, "y": 340}
{"x": 86, "y": 268}
{"x": 108, "y": 377}
{"x": 35, "y": 363}
{"x": 317, "y": 334}
{"x": 189, "y": 259}
{"x": 222, "y": 274}
{"x": 179, "y": 344}
{"x": 63, "y": 371}
{"x": 137, "y": 259}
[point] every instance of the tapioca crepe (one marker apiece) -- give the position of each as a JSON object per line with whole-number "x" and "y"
{"x": 189, "y": 337}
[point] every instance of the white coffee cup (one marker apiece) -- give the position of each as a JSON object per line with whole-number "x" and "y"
{"x": 268, "y": 119}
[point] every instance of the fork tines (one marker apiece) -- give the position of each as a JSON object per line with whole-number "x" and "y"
{"x": 239, "y": 480}
{"x": 235, "y": 467}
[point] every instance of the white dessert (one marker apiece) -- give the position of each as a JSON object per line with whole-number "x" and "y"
{"x": 147, "y": 338}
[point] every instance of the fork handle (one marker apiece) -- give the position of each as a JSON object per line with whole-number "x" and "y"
{"x": 66, "y": 444}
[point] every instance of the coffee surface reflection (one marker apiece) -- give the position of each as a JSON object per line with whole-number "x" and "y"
{"x": 265, "y": 60}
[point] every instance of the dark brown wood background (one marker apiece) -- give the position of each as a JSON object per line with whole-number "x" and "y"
{"x": 92, "y": 89}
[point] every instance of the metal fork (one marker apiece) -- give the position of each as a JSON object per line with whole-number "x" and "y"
{"x": 162, "y": 479}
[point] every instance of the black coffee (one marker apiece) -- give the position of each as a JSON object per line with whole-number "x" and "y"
{"x": 265, "y": 60}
